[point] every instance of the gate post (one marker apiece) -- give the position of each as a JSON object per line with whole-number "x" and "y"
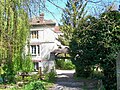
{"x": 40, "y": 73}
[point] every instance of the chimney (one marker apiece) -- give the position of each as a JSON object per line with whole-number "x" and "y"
{"x": 41, "y": 17}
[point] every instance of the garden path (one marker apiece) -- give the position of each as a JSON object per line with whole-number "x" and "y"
{"x": 65, "y": 81}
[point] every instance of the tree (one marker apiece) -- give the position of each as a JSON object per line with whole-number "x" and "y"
{"x": 111, "y": 38}
{"x": 83, "y": 46}
{"x": 93, "y": 42}
{"x": 72, "y": 14}
{"x": 97, "y": 43}
{"x": 14, "y": 31}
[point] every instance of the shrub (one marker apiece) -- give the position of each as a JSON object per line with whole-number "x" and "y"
{"x": 18, "y": 78}
{"x": 28, "y": 79}
{"x": 36, "y": 85}
{"x": 50, "y": 76}
{"x": 35, "y": 77}
{"x": 67, "y": 65}
{"x": 60, "y": 64}
{"x": 97, "y": 74}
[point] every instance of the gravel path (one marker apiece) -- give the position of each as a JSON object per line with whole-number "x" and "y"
{"x": 65, "y": 81}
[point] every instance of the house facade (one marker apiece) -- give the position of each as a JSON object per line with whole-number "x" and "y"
{"x": 43, "y": 40}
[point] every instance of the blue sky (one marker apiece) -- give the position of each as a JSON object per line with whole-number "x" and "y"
{"x": 56, "y": 12}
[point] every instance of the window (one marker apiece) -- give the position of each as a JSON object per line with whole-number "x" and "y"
{"x": 38, "y": 49}
{"x": 33, "y": 47}
{"x": 35, "y": 50}
{"x": 34, "y": 34}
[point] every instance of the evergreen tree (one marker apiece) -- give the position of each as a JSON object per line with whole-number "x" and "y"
{"x": 98, "y": 44}
{"x": 72, "y": 14}
{"x": 110, "y": 32}
{"x": 93, "y": 42}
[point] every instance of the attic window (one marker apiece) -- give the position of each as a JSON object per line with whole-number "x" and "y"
{"x": 38, "y": 21}
{"x": 34, "y": 34}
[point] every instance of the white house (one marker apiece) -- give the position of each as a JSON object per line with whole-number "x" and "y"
{"x": 43, "y": 40}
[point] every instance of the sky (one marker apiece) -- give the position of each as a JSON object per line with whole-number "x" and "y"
{"x": 55, "y": 13}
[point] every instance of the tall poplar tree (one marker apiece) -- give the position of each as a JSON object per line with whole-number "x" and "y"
{"x": 14, "y": 31}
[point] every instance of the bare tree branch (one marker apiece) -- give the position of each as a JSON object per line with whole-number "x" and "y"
{"x": 56, "y": 5}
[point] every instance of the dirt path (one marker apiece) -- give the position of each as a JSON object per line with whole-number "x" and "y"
{"x": 65, "y": 81}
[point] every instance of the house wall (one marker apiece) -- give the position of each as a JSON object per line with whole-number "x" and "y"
{"x": 46, "y": 42}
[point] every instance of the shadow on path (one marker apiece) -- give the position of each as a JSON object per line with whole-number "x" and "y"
{"x": 65, "y": 81}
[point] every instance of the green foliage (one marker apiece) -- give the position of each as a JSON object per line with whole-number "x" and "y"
{"x": 51, "y": 76}
{"x": 24, "y": 64}
{"x": 59, "y": 64}
{"x": 94, "y": 41}
{"x": 65, "y": 65}
{"x": 36, "y": 85}
{"x": 97, "y": 44}
{"x": 31, "y": 78}
{"x": 18, "y": 78}
{"x": 71, "y": 16}
{"x": 1, "y": 71}
{"x": 35, "y": 77}
{"x": 27, "y": 65}
{"x": 68, "y": 65}
{"x": 111, "y": 39}
{"x": 96, "y": 74}
{"x": 14, "y": 31}
{"x": 28, "y": 79}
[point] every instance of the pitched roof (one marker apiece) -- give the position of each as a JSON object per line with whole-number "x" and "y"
{"x": 40, "y": 20}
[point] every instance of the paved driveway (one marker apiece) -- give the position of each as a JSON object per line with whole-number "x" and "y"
{"x": 65, "y": 81}
{"x": 65, "y": 73}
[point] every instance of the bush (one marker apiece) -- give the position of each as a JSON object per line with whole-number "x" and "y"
{"x": 60, "y": 64}
{"x": 97, "y": 74}
{"x": 36, "y": 85}
{"x": 28, "y": 79}
{"x": 18, "y": 78}
{"x": 35, "y": 77}
{"x": 50, "y": 76}
{"x": 66, "y": 65}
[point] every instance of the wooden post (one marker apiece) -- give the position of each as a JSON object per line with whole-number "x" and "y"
{"x": 118, "y": 71}
{"x": 40, "y": 72}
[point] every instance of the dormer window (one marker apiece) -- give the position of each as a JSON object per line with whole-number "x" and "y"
{"x": 34, "y": 34}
